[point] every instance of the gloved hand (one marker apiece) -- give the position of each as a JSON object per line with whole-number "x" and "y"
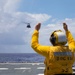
{"x": 37, "y": 27}
{"x": 65, "y": 26}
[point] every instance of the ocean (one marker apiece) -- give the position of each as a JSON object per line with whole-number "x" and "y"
{"x": 21, "y": 58}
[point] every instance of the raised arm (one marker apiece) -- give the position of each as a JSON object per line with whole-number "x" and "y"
{"x": 70, "y": 39}
{"x": 43, "y": 50}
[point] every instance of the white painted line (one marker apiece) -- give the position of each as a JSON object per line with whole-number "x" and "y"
{"x": 35, "y": 63}
{"x": 73, "y": 72}
{"x": 22, "y": 68}
{"x": 73, "y": 68}
{"x": 41, "y": 68}
{"x": 40, "y": 74}
{"x": 21, "y": 63}
{"x": 3, "y": 68}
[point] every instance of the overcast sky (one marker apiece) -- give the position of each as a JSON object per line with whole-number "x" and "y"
{"x": 15, "y": 37}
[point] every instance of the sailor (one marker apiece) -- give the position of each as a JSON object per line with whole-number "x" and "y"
{"x": 59, "y": 58}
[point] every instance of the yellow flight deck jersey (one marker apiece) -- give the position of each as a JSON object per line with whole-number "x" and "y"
{"x": 58, "y": 59}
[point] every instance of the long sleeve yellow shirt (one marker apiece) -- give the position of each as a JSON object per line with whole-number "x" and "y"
{"x": 58, "y": 59}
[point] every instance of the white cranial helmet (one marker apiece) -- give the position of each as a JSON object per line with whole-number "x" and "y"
{"x": 58, "y": 37}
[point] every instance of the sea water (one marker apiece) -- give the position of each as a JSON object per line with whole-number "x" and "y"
{"x": 21, "y": 57}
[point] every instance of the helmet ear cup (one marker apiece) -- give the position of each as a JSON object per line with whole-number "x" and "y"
{"x": 53, "y": 39}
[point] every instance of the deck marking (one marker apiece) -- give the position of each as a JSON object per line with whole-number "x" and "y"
{"x": 73, "y": 68}
{"x": 41, "y": 68}
{"x": 40, "y": 74}
{"x": 3, "y": 68}
{"x": 23, "y": 68}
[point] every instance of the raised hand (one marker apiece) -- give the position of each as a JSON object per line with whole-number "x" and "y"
{"x": 37, "y": 27}
{"x": 65, "y": 26}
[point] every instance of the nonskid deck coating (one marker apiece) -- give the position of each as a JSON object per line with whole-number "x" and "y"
{"x": 22, "y": 68}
